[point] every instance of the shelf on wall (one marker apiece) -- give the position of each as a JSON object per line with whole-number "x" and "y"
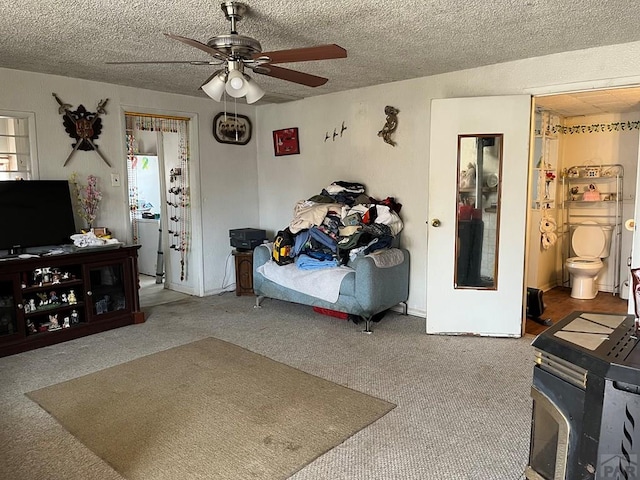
{"x": 590, "y": 203}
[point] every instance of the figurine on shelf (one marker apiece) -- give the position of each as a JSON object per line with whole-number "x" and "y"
{"x": 574, "y": 193}
{"x": 32, "y": 305}
{"x": 66, "y": 322}
{"x": 44, "y": 299}
{"x": 31, "y": 328}
{"x": 468, "y": 176}
{"x": 53, "y": 323}
{"x": 101, "y": 306}
{"x": 37, "y": 276}
{"x": 75, "y": 317}
{"x": 53, "y": 297}
{"x": 592, "y": 194}
{"x": 65, "y": 276}
{"x": 71, "y": 298}
{"x": 63, "y": 298}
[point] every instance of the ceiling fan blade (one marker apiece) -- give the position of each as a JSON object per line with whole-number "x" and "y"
{"x": 190, "y": 62}
{"x": 290, "y": 75}
{"x": 305, "y": 54}
{"x": 194, "y": 43}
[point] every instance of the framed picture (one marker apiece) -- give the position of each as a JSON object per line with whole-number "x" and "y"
{"x": 285, "y": 142}
{"x": 230, "y": 128}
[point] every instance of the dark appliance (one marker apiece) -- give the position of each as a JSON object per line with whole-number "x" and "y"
{"x": 535, "y": 306}
{"x": 586, "y": 399}
{"x": 35, "y": 213}
{"x": 470, "y": 234}
{"x": 246, "y": 238}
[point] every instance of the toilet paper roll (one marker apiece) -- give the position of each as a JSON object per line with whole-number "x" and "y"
{"x": 630, "y": 224}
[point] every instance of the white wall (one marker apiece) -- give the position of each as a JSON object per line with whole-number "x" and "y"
{"x": 223, "y": 177}
{"x": 401, "y": 171}
{"x": 232, "y": 190}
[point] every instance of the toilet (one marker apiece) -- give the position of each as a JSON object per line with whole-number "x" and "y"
{"x": 591, "y": 243}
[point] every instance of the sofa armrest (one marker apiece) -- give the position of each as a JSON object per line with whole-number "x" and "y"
{"x": 378, "y": 289}
{"x": 261, "y": 255}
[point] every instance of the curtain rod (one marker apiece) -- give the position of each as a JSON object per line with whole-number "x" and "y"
{"x": 152, "y": 115}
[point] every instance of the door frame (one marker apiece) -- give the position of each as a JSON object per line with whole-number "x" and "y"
{"x": 196, "y": 269}
{"x": 562, "y": 89}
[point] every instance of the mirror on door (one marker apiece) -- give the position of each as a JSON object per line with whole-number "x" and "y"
{"x": 478, "y": 211}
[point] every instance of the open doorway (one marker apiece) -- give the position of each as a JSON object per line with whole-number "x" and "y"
{"x": 159, "y": 206}
{"x": 579, "y": 134}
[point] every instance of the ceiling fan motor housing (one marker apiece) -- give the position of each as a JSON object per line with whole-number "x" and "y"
{"x": 237, "y": 46}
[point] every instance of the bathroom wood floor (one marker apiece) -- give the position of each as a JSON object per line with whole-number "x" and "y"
{"x": 558, "y": 304}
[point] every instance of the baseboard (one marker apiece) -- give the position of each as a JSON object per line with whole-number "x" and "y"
{"x": 218, "y": 291}
{"x": 414, "y": 312}
{"x": 546, "y": 287}
{"x": 181, "y": 289}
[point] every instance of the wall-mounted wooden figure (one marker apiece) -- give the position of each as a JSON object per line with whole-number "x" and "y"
{"x": 390, "y": 126}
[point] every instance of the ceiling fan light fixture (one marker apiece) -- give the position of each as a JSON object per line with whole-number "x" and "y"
{"x": 215, "y": 87}
{"x": 236, "y": 84}
{"x": 254, "y": 92}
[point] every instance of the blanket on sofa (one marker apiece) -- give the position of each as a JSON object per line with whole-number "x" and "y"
{"x": 323, "y": 284}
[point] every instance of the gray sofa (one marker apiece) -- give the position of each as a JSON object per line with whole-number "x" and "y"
{"x": 365, "y": 292}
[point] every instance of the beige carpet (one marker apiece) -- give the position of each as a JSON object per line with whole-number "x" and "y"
{"x": 208, "y": 410}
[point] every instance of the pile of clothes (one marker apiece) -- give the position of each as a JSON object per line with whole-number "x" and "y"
{"x": 333, "y": 227}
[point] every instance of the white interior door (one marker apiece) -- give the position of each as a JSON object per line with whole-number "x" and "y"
{"x": 455, "y": 310}
{"x": 635, "y": 248}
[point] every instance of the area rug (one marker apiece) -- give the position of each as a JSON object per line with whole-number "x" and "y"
{"x": 208, "y": 410}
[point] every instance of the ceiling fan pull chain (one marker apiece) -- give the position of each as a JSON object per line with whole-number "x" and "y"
{"x": 224, "y": 95}
{"x": 235, "y": 111}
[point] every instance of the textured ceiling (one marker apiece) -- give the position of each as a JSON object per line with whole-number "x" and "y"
{"x": 386, "y": 41}
{"x": 593, "y": 102}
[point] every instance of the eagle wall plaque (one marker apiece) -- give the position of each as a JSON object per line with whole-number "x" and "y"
{"x": 83, "y": 126}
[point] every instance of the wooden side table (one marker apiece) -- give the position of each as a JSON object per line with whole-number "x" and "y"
{"x": 244, "y": 272}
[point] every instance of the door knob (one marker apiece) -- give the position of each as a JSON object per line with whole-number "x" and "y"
{"x": 435, "y": 222}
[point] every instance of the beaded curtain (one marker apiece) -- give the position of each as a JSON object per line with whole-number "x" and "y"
{"x": 177, "y": 197}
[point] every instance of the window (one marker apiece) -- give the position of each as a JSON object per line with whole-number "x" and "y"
{"x": 17, "y": 151}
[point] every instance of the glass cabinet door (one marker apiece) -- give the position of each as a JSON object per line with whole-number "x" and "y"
{"x": 8, "y": 310}
{"x": 107, "y": 289}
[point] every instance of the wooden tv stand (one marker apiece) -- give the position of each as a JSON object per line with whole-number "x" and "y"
{"x": 54, "y": 298}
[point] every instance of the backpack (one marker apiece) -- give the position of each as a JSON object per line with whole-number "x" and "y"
{"x": 283, "y": 247}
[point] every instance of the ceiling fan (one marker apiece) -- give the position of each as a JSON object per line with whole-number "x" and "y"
{"x": 235, "y": 52}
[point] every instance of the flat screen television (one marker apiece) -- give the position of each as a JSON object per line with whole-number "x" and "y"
{"x": 35, "y": 213}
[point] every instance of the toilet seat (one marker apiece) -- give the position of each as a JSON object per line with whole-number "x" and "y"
{"x": 582, "y": 262}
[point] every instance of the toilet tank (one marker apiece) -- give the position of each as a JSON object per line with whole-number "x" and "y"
{"x": 591, "y": 240}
